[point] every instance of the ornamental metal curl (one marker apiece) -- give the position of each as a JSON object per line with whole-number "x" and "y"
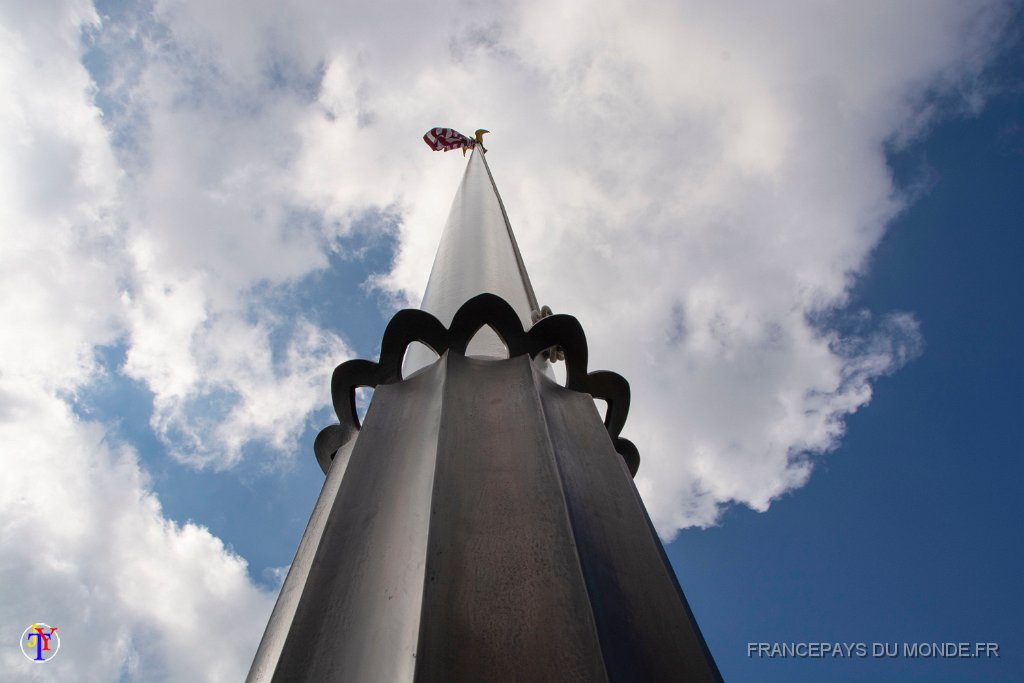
{"x": 411, "y": 325}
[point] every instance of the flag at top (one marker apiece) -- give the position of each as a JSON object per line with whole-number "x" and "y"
{"x": 447, "y": 139}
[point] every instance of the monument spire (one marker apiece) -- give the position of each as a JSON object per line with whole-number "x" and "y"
{"x": 480, "y": 523}
{"x": 478, "y": 253}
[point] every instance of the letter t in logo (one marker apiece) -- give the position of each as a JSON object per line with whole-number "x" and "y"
{"x": 42, "y": 641}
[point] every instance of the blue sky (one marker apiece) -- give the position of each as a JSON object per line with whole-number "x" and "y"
{"x": 909, "y": 531}
{"x": 794, "y": 229}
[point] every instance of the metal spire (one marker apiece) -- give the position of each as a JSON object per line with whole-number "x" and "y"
{"x": 481, "y": 523}
{"x": 478, "y": 253}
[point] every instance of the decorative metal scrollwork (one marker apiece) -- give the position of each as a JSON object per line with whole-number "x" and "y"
{"x": 411, "y": 325}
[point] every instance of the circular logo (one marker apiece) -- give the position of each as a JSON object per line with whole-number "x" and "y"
{"x": 40, "y": 642}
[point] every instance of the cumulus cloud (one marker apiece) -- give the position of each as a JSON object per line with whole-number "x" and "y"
{"x": 211, "y": 226}
{"x": 724, "y": 170}
{"x": 85, "y": 544}
{"x": 137, "y": 596}
{"x": 700, "y": 185}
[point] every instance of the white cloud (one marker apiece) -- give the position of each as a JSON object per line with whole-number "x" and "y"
{"x": 724, "y": 168}
{"x": 87, "y": 549}
{"x": 85, "y": 544}
{"x": 243, "y": 394}
{"x": 727, "y": 173}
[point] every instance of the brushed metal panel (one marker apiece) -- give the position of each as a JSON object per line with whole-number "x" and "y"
{"x": 269, "y": 651}
{"x": 646, "y": 628}
{"x": 504, "y": 599}
{"x": 358, "y": 617}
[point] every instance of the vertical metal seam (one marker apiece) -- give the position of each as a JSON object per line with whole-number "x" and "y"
{"x": 550, "y": 448}
{"x": 530, "y": 295}
{"x": 430, "y": 511}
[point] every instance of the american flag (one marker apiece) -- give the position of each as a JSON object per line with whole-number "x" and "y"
{"x": 446, "y": 139}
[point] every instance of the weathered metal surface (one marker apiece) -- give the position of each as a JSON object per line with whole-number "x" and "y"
{"x": 505, "y": 597}
{"x": 294, "y": 584}
{"x": 542, "y": 562}
{"x": 358, "y": 617}
{"x": 487, "y": 526}
{"x": 646, "y": 629}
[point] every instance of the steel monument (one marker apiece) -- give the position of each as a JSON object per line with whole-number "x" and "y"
{"x": 481, "y": 522}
